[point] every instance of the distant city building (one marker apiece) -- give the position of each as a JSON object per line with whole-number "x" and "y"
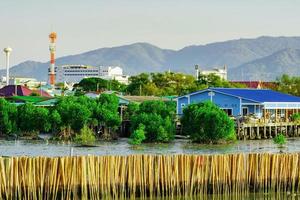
{"x": 75, "y": 73}
{"x": 30, "y": 83}
{"x": 221, "y": 72}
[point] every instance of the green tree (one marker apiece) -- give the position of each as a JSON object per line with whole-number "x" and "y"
{"x": 137, "y": 83}
{"x": 55, "y": 120}
{"x": 74, "y": 115}
{"x": 99, "y": 84}
{"x": 32, "y": 120}
{"x": 8, "y": 117}
{"x": 138, "y": 136}
{"x": 288, "y": 84}
{"x": 132, "y": 109}
{"x": 85, "y": 137}
{"x": 158, "y": 119}
{"x": 207, "y": 123}
{"x": 106, "y": 113}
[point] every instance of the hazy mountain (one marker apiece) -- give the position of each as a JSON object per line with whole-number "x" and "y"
{"x": 285, "y": 61}
{"x": 143, "y": 57}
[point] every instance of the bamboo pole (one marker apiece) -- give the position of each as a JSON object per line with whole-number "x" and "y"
{"x": 112, "y": 177}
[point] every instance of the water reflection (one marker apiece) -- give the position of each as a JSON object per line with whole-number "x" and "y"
{"x": 251, "y": 196}
{"x": 121, "y": 147}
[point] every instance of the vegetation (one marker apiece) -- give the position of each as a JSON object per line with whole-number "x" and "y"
{"x": 157, "y": 118}
{"x": 99, "y": 85}
{"x": 8, "y": 118}
{"x": 169, "y": 83}
{"x": 32, "y": 119}
{"x": 138, "y": 136}
{"x": 69, "y": 117}
{"x": 288, "y": 84}
{"x": 85, "y": 137}
{"x": 296, "y": 117}
{"x": 279, "y": 139}
{"x": 206, "y": 123}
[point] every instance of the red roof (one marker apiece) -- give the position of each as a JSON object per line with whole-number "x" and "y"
{"x": 19, "y": 90}
{"x": 257, "y": 84}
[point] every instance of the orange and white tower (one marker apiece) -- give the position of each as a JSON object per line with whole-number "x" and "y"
{"x": 52, "y": 49}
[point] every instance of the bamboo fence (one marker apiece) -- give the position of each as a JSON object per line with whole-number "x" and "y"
{"x": 100, "y": 177}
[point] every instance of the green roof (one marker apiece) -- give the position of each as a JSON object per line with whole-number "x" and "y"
{"x": 49, "y": 102}
{"x": 29, "y": 99}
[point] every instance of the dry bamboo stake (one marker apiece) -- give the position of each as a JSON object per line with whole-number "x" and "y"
{"x": 98, "y": 177}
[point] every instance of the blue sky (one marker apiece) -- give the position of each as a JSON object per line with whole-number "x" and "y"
{"x": 84, "y": 25}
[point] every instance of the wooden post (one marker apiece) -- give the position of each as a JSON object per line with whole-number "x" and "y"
{"x": 270, "y": 132}
{"x": 286, "y": 115}
{"x": 275, "y": 115}
{"x": 265, "y": 131}
{"x": 257, "y": 133}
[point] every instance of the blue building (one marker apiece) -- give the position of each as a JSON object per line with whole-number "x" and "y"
{"x": 262, "y": 103}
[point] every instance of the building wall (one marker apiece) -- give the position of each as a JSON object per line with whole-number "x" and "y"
{"x": 75, "y": 73}
{"x": 221, "y": 100}
{"x": 181, "y": 104}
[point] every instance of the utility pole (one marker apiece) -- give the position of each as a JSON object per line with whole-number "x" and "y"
{"x": 7, "y": 52}
{"x": 197, "y": 72}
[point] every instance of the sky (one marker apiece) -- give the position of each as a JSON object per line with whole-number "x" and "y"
{"x": 84, "y": 25}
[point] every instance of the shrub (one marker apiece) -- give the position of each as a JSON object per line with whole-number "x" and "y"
{"x": 8, "y": 117}
{"x": 138, "y": 136}
{"x": 279, "y": 139}
{"x": 296, "y": 117}
{"x": 86, "y": 136}
{"x": 205, "y": 122}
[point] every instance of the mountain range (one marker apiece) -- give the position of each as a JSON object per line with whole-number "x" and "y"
{"x": 263, "y": 58}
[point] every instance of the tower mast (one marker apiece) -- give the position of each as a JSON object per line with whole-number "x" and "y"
{"x": 52, "y": 49}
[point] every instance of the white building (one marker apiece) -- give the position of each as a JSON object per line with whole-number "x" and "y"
{"x": 221, "y": 72}
{"x": 75, "y": 73}
{"x": 113, "y": 73}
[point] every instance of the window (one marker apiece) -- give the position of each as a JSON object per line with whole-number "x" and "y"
{"x": 245, "y": 111}
{"x": 228, "y": 111}
{"x": 182, "y": 105}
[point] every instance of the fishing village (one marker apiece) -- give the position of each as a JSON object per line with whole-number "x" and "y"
{"x": 131, "y": 120}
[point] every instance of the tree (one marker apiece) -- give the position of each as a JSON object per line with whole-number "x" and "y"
{"x": 8, "y": 117}
{"x": 74, "y": 115}
{"x": 32, "y": 120}
{"x": 158, "y": 120}
{"x": 290, "y": 85}
{"x": 207, "y": 123}
{"x": 85, "y": 136}
{"x": 99, "y": 84}
{"x": 137, "y": 83}
{"x": 106, "y": 113}
{"x": 55, "y": 120}
{"x": 132, "y": 109}
{"x": 138, "y": 136}
{"x": 170, "y": 83}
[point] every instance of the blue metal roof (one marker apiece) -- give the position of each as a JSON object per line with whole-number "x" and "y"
{"x": 259, "y": 95}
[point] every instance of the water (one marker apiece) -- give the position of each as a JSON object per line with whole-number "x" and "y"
{"x": 121, "y": 147}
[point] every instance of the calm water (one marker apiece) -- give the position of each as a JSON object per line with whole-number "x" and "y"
{"x": 252, "y": 196}
{"x": 121, "y": 147}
